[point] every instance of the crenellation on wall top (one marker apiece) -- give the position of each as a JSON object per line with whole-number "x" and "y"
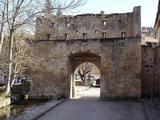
{"x": 85, "y": 26}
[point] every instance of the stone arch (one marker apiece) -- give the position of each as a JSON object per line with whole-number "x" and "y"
{"x": 82, "y": 57}
{"x": 79, "y": 58}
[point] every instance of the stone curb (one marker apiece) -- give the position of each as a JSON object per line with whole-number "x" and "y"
{"x": 37, "y": 112}
{"x": 47, "y": 110}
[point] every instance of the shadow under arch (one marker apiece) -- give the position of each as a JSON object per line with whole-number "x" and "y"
{"x": 77, "y": 59}
{"x": 82, "y": 57}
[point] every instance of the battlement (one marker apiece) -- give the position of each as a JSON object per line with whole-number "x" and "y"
{"x": 89, "y": 26}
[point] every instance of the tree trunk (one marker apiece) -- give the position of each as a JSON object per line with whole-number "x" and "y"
{"x": 81, "y": 75}
{"x": 8, "y": 89}
{"x": 14, "y": 79}
{"x": 1, "y": 44}
{"x": 2, "y": 29}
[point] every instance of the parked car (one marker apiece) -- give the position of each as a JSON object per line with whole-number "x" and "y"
{"x": 95, "y": 83}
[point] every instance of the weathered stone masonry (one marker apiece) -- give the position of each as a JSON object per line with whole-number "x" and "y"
{"x": 117, "y": 56}
{"x": 89, "y": 26}
{"x": 150, "y": 70}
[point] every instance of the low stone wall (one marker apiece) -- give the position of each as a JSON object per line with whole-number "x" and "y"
{"x": 4, "y": 102}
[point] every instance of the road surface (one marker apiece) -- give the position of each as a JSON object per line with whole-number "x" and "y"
{"x": 95, "y": 109}
{"x": 83, "y": 92}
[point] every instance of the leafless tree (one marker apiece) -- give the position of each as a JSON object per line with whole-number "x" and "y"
{"x": 84, "y": 70}
{"x": 21, "y": 56}
{"x": 56, "y": 7}
{"x": 20, "y": 13}
{"x": 2, "y": 23}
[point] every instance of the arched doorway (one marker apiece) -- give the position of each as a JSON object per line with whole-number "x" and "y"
{"x": 86, "y": 81}
{"x": 80, "y": 60}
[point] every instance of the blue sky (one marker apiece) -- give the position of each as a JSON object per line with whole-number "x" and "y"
{"x": 149, "y": 8}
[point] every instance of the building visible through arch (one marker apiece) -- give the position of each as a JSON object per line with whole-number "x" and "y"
{"x": 114, "y": 47}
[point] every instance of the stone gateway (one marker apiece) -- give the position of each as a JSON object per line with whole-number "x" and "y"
{"x": 111, "y": 42}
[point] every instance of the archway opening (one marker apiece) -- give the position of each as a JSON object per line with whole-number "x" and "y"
{"x": 87, "y": 81}
{"x": 85, "y": 76}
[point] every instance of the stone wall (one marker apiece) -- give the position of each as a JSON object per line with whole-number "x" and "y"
{"x": 111, "y": 42}
{"x": 118, "y": 59}
{"x": 150, "y": 70}
{"x": 158, "y": 71}
{"x": 89, "y": 26}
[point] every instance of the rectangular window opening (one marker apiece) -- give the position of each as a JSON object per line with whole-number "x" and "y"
{"x": 77, "y": 32}
{"x": 68, "y": 24}
{"x": 104, "y": 23}
{"x": 84, "y": 35}
{"x": 96, "y": 31}
{"x": 52, "y": 24}
{"x": 66, "y": 36}
{"x": 123, "y": 34}
{"x": 104, "y": 35}
{"x": 48, "y": 36}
